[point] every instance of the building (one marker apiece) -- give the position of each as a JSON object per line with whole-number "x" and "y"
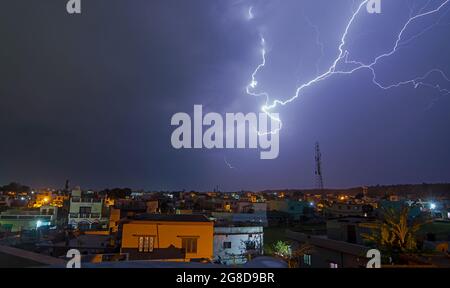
{"x": 248, "y": 207}
{"x": 16, "y": 220}
{"x": 340, "y": 209}
{"x": 348, "y": 229}
{"x": 242, "y": 219}
{"x": 168, "y": 237}
{"x": 295, "y": 209}
{"x": 237, "y": 245}
{"x": 87, "y": 211}
{"x": 5, "y": 202}
{"x": 328, "y": 253}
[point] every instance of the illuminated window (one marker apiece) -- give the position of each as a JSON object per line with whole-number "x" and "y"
{"x": 307, "y": 259}
{"x": 333, "y": 265}
{"x": 145, "y": 244}
{"x": 189, "y": 245}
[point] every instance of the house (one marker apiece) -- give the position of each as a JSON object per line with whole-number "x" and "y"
{"x": 168, "y": 237}
{"x": 348, "y": 229}
{"x": 328, "y": 253}
{"x": 295, "y": 209}
{"x": 414, "y": 209}
{"x": 87, "y": 211}
{"x": 236, "y": 245}
{"x": 248, "y": 207}
{"x": 340, "y": 209}
{"x": 5, "y": 203}
{"x": 16, "y": 220}
{"x": 257, "y": 218}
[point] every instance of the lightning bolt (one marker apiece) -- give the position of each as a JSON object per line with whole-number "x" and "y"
{"x": 227, "y": 163}
{"x": 250, "y": 15}
{"x": 343, "y": 58}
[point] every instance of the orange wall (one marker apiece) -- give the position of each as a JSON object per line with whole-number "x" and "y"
{"x": 168, "y": 233}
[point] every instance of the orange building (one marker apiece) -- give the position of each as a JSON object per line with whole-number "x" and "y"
{"x": 168, "y": 237}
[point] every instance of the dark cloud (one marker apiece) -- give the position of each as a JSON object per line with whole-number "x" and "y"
{"x": 90, "y": 97}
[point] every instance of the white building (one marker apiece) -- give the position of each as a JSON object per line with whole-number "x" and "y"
{"x": 86, "y": 211}
{"x": 236, "y": 245}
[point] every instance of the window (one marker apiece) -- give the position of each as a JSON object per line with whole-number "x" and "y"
{"x": 333, "y": 265}
{"x": 189, "y": 245}
{"x": 226, "y": 245}
{"x": 145, "y": 244}
{"x": 307, "y": 259}
{"x": 85, "y": 211}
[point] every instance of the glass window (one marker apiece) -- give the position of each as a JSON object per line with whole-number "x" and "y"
{"x": 189, "y": 245}
{"x": 307, "y": 259}
{"x": 145, "y": 244}
{"x": 227, "y": 245}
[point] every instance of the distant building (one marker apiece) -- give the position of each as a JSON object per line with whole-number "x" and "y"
{"x": 168, "y": 237}
{"x": 16, "y": 220}
{"x": 152, "y": 206}
{"x": 242, "y": 219}
{"x": 340, "y": 209}
{"x": 249, "y": 207}
{"x": 5, "y": 202}
{"x": 130, "y": 207}
{"x": 236, "y": 245}
{"x": 414, "y": 211}
{"x": 295, "y": 209}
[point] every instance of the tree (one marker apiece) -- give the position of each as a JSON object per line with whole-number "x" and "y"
{"x": 15, "y": 187}
{"x": 290, "y": 254}
{"x": 395, "y": 234}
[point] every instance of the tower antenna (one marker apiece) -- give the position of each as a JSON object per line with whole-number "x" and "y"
{"x": 318, "y": 172}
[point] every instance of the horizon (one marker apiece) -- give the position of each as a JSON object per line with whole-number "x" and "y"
{"x": 146, "y": 190}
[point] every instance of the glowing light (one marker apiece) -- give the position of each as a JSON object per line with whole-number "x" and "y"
{"x": 343, "y": 58}
{"x": 432, "y": 206}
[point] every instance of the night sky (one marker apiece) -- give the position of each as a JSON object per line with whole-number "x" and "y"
{"x": 89, "y": 97}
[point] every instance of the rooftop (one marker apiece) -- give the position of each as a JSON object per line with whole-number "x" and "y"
{"x": 172, "y": 218}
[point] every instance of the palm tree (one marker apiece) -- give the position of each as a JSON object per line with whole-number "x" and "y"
{"x": 394, "y": 233}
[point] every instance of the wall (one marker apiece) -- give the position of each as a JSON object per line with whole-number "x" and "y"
{"x": 168, "y": 233}
{"x": 238, "y": 236}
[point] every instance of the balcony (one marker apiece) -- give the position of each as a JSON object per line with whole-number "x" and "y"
{"x": 85, "y": 215}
